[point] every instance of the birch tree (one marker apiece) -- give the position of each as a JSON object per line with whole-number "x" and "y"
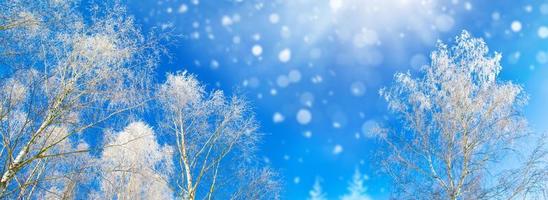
{"x": 460, "y": 124}
{"x": 63, "y": 76}
{"x": 215, "y": 141}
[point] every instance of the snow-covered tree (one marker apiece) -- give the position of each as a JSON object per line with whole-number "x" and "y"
{"x": 215, "y": 141}
{"x": 316, "y": 193}
{"x": 62, "y": 75}
{"x": 134, "y": 166}
{"x": 459, "y": 123}
{"x": 356, "y": 188}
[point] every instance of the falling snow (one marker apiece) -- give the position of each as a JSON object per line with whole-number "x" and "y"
{"x": 257, "y": 50}
{"x": 304, "y": 116}
{"x": 284, "y": 55}
{"x": 516, "y": 26}
{"x": 313, "y": 69}
{"x": 278, "y": 117}
{"x": 337, "y": 149}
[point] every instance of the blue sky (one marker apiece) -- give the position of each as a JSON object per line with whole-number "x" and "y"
{"x": 312, "y": 68}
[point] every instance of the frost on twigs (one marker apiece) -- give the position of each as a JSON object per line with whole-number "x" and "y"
{"x": 458, "y": 120}
{"x": 180, "y": 90}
